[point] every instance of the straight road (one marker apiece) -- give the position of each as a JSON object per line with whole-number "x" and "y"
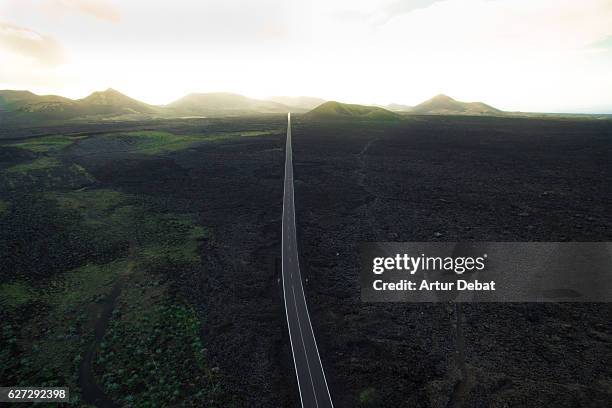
{"x": 312, "y": 384}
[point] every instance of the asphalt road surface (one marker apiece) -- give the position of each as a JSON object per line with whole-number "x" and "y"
{"x": 308, "y": 368}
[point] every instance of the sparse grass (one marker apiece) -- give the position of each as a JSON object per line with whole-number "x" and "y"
{"x": 46, "y": 144}
{"x": 117, "y": 240}
{"x": 42, "y": 163}
{"x": 15, "y": 294}
{"x": 50, "y": 339}
{"x": 85, "y": 284}
{"x": 110, "y": 214}
{"x": 99, "y": 200}
{"x": 163, "y": 241}
{"x": 153, "y": 354}
{"x": 369, "y": 398}
{"x": 123, "y": 218}
{"x": 44, "y": 173}
{"x": 157, "y": 142}
{"x": 260, "y": 132}
{"x": 130, "y": 366}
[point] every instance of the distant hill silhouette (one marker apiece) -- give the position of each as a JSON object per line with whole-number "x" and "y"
{"x": 113, "y": 102}
{"x": 337, "y": 110}
{"x": 26, "y": 105}
{"x": 11, "y": 100}
{"x": 445, "y": 105}
{"x": 22, "y": 106}
{"x": 223, "y": 104}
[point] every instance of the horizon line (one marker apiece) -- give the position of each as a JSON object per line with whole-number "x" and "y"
{"x": 267, "y": 98}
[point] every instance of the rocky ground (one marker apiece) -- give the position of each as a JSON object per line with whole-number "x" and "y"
{"x": 141, "y": 261}
{"x": 159, "y": 248}
{"x": 437, "y": 179}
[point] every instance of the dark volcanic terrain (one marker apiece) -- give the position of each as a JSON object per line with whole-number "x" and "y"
{"x": 453, "y": 179}
{"x": 140, "y": 261}
{"x": 140, "y": 264}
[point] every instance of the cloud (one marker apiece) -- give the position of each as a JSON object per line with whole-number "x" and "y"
{"x": 100, "y": 9}
{"x": 29, "y": 43}
{"x": 403, "y": 6}
{"x": 399, "y": 7}
{"x": 601, "y": 45}
{"x": 514, "y": 54}
{"x": 378, "y": 13}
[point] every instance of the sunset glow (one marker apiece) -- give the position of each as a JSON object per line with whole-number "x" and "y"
{"x": 545, "y": 55}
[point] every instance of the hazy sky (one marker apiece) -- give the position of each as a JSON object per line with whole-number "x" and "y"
{"x": 530, "y": 55}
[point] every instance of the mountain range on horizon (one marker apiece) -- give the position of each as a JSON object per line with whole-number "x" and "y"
{"x": 20, "y": 105}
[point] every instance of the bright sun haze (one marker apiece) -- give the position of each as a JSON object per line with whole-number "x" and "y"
{"x": 528, "y": 55}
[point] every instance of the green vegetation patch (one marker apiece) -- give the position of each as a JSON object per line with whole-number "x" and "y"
{"x": 155, "y": 142}
{"x": 46, "y": 143}
{"x": 42, "y": 163}
{"x": 46, "y": 346}
{"x": 159, "y": 142}
{"x": 44, "y": 173}
{"x": 122, "y": 219}
{"x": 95, "y": 206}
{"x": 15, "y": 294}
{"x": 153, "y": 355}
{"x": 106, "y": 243}
{"x": 179, "y": 243}
{"x": 112, "y": 217}
{"x": 250, "y": 133}
{"x": 85, "y": 284}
